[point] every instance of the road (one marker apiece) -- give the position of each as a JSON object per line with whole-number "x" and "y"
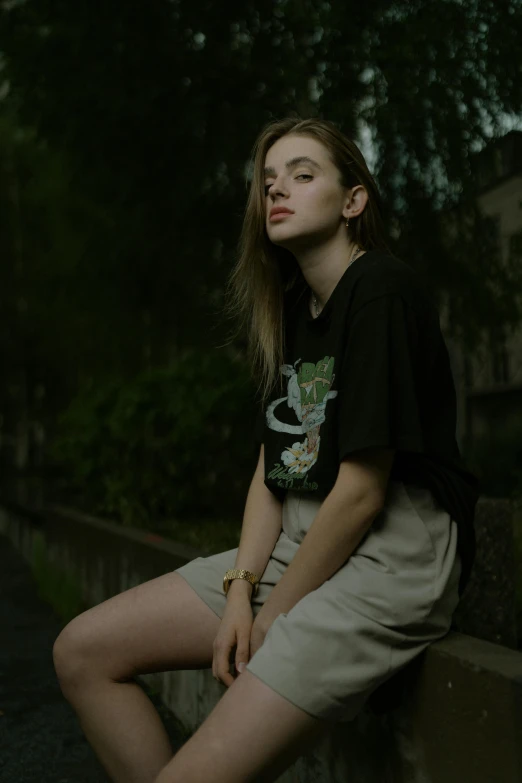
{"x": 41, "y": 740}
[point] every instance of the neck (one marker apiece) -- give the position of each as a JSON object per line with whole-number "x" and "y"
{"x": 323, "y": 294}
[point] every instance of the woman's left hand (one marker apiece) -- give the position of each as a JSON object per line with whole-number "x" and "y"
{"x": 258, "y": 632}
{"x": 269, "y": 612}
{"x": 264, "y": 619}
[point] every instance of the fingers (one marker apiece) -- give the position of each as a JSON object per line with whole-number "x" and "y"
{"x": 221, "y": 665}
{"x": 221, "y": 662}
{"x": 242, "y": 653}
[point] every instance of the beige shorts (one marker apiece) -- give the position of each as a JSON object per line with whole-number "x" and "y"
{"x": 394, "y": 595}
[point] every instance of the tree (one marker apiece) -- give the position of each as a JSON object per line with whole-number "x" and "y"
{"x": 152, "y": 117}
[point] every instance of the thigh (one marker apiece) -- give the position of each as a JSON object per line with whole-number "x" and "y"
{"x": 334, "y": 648}
{"x": 393, "y": 597}
{"x": 159, "y": 625}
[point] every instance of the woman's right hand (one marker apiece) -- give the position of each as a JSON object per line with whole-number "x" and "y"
{"x": 234, "y": 632}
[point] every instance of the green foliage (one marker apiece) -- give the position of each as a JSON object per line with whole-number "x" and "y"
{"x": 162, "y": 189}
{"x": 57, "y": 586}
{"x": 171, "y": 442}
{"x": 124, "y": 139}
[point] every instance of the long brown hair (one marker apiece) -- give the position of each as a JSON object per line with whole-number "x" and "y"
{"x": 264, "y": 272}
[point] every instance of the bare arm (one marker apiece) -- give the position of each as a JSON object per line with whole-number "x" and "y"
{"x": 342, "y": 521}
{"x": 262, "y": 524}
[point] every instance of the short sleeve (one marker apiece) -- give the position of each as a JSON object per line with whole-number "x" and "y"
{"x": 379, "y": 380}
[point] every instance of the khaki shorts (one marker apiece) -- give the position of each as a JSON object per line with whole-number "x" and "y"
{"x": 394, "y": 595}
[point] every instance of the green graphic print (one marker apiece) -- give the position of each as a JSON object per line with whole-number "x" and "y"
{"x": 308, "y": 391}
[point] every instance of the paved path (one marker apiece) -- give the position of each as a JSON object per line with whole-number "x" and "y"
{"x": 41, "y": 740}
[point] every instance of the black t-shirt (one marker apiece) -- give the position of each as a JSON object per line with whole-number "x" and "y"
{"x": 371, "y": 370}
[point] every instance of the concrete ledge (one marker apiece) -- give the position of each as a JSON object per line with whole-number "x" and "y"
{"x": 460, "y": 718}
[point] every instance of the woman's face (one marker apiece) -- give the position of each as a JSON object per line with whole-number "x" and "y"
{"x": 310, "y": 189}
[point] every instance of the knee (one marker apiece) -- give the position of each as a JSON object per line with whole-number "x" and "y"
{"x": 70, "y": 654}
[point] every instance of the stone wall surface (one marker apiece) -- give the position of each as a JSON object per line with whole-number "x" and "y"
{"x": 460, "y": 715}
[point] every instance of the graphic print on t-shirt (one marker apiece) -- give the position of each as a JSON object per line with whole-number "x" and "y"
{"x": 308, "y": 391}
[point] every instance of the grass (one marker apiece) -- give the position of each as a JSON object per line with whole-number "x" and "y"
{"x": 209, "y": 535}
{"x": 56, "y": 586}
{"x": 60, "y": 589}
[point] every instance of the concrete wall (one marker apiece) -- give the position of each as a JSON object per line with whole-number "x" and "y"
{"x": 461, "y": 714}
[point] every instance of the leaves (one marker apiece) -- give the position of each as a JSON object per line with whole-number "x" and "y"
{"x": 124, "y": 143}
{"x": 146, "y": 449}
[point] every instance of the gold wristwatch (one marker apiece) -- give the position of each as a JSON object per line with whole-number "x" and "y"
{"x": 235, "y": 573}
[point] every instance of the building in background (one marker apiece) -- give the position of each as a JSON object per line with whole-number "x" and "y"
{"x": 489, "y": 381}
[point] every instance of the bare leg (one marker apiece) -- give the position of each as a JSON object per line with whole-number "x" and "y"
{"x": 124, "y": 730}
{"x": 252, "y": 735}
{"x": 160, "y": 625}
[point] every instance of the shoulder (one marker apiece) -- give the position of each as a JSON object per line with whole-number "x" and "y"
{"x": 382, "y": 274}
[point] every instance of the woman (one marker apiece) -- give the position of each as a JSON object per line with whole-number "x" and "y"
{"x": 357, "y": 538}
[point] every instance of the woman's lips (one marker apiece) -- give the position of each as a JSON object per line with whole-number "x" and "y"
{"x": 279, "y": 215}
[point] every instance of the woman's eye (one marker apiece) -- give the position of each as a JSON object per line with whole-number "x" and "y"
{"x": 267, "y": 187}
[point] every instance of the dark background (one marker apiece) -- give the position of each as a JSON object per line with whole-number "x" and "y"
{"x": 125, "y": 133}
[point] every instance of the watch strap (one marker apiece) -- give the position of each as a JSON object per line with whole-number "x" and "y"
{"x": 240, "y": 573}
